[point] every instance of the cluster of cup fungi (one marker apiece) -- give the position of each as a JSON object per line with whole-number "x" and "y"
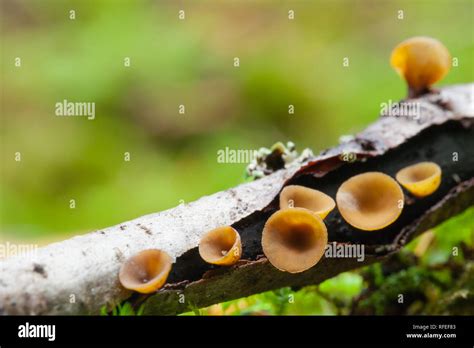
{"x": 294, "y": 238}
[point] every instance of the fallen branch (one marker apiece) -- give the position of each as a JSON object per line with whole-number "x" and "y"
{"x": 79, "y": 275}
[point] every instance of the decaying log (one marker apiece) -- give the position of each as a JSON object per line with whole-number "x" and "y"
{"x": 79, "y": 275}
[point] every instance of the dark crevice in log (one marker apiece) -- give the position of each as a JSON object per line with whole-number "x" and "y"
{"x": 258, "y": 276}
{"x": 436, "y": 143}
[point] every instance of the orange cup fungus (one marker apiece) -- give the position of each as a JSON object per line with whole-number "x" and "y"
{"x": 146, "y": 271}
{"x": 294, "y": 239}
{"x": 421, "y": 179}
{"x": 295, "y": 196}
{"x": 421, "y": 61}
{"x": 370, "y": 201}
{"x": 221, "y": 246}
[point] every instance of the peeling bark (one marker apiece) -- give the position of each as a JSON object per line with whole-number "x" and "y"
{"x": 87, "y": 266}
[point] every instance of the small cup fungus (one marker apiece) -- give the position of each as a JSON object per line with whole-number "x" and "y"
{"x": 295, "y": 196}
{"x": 422, "y": 61}
{"x": 294, "y": 239}
{"x": 146, "y": 271}
{"x": 421, "y": 179}
{"x": 221, "y": 246}
{"x": 370, "y": 201}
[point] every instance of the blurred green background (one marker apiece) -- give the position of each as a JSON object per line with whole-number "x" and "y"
{"x": 189, "y": 62}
